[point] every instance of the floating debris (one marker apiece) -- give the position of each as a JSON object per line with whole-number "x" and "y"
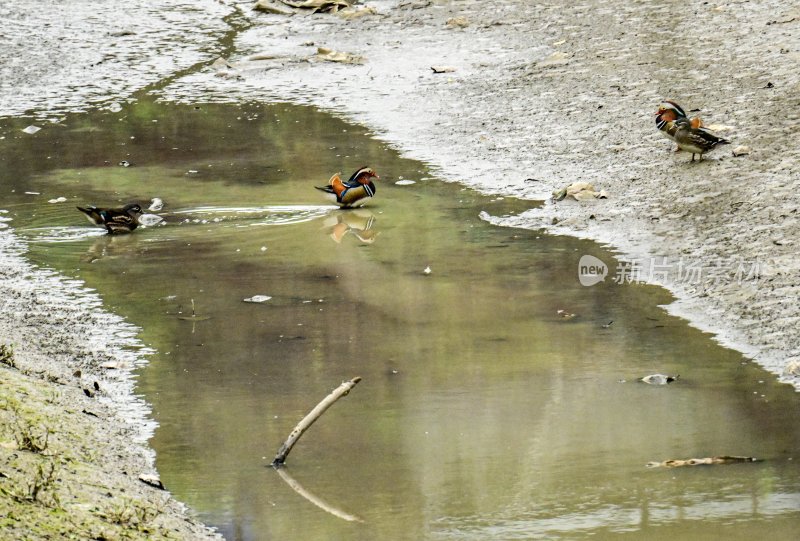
{"x": 125, "y": 163}
{"x": 258, "y": 298}
{"x": 659, "y": 379}
{"x": 31, "y": 129}
{"x": 148, "y": 220}
{"x": 443, "y": 69}
{"x": 57, "y": 200}
{"x": 156, "y": 204}
{"x": 427, "y": 270}
{"x": 563, "y": 314}
{"x": 725, "y": 459}
{"x": 405, "y": 182}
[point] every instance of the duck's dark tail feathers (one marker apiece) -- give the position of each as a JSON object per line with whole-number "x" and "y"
{"x": 328, "y": 189}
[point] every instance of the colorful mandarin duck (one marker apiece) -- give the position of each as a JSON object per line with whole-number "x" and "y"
{"x": 122, "y": 220}
{"x": 669, "y": 111}
{"x": 687, "y": 132}
{"x": 353, "y": 191}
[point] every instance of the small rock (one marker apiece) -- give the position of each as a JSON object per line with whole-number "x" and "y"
{"x": 659, "y": 379}
{"x": 270, "y": 6}
{"x": 221, "y": 64}
{"x": 741, "y": 150}
{"x": 30, "y": 130}
{"x": 125, "y": 163}
{"x": 113, "y": 365}
{"x": 792, "y": 369}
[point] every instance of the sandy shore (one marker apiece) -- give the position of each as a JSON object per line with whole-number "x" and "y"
{"x": 533, "y": 97}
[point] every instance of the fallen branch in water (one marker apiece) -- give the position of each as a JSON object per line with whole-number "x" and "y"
{"x": 702, "y": 461}
{"x": 297, "y": 487}
{"x": 309, "y": 419}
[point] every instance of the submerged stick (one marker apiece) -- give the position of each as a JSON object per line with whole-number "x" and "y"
{"x": 297, "y": 487}
{"x": 309, "y": 419}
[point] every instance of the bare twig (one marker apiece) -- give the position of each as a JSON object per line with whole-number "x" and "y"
{"x": 309, "y": 419}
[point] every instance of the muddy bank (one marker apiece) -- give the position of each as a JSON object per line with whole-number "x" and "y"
{"x": 535, "y": 96}
{"x": 73, "y": 437}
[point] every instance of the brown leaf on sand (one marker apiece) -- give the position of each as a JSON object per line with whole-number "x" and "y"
{"x": 329, "y": 55}
{"x": 318, "y": 6}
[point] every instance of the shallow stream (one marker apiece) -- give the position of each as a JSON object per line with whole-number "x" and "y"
{"x": 499, "y": 397}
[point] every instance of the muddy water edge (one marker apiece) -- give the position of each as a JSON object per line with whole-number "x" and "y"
{"x": 497, "y": 400}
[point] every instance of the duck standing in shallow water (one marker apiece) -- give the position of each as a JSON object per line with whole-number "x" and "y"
{"x": 353, "y": 191}
{"x": 122, "y": 220}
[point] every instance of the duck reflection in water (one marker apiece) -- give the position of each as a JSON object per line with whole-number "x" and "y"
{"x": 358, "y": 223}
{"x": 113, "y": 246}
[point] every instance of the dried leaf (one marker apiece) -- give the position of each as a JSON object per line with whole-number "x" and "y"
{"x": 351, "y": 14}
{"x": 318, "y": 6}
{"x": 556, "y": 59}
{"x": 457, "y": 22}
{"x": 741, "y": 150}
{"x": 580, "y": 191}
{"x": 330, "y": 55}
{"x": 725, "y": 459}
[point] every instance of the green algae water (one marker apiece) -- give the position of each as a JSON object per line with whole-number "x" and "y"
{"x": 483, "y": 412}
